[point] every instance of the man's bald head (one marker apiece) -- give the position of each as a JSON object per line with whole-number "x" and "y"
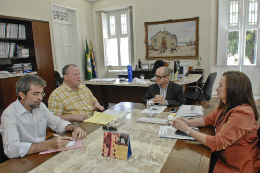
{"x": 164, "y": 70}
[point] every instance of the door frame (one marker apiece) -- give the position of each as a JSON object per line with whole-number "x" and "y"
{"x": 73, "y": 20}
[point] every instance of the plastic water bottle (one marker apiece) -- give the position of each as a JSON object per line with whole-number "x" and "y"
{"x": 130, "y": 72}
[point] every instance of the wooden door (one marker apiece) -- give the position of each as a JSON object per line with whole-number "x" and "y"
{"x": 8, "y": 91}
{"x": 43, "y": 54}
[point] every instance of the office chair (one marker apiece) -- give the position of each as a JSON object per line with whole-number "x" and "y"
{"x": 157, "y": 64}
{"x": 3, "y": 157}
{"x": 58, "y": 79}
{"x": 201, "y": 94}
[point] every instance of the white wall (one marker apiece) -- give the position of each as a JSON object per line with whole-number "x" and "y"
{"x": 89, "y": 23}
{"x": 158, "y": 11}
{"x": 41, "y": 10}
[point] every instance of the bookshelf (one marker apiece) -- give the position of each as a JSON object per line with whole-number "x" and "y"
{"x": 37, "y": 40}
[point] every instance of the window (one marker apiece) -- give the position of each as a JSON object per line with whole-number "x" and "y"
{"x": 238, "y": 32}
{"x": 117, "y": 40}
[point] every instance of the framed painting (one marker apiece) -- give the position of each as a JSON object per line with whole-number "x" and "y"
{"x": 172, "y": 39}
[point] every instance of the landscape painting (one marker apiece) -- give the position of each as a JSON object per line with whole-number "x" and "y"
{"x": 172, "y": 39}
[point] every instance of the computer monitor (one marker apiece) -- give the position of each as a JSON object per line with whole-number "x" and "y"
{"x": 183, "y": 69}
{"x": 176, "y": 66}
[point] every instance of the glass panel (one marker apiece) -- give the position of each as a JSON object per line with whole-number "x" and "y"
{"x": 112, "y": 52}
{"x": 251, "y": 46}
{"x": 112, "y": 25}
{"x": 253, "y": 12}
{"x": 124, "y": 51}
{"x": 233, "y": 41}
{"x": 233, "y": 19}
{"x": 123, "y": 24}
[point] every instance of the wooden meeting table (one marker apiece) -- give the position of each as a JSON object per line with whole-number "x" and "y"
{"x": 185, "y": 156}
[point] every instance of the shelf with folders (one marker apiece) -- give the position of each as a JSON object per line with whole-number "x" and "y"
{"x": 13, "y": 50}
{"x": 12, "y": 30}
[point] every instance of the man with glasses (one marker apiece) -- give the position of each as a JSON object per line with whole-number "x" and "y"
{"x": 73, "y": 101}
{"x": 164, "y": 92}
{"x": 24, "y": 122}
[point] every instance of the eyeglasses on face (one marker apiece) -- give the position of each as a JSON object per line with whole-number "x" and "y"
{"x": 159, "y": 77}
{"x": 37, "y": 94}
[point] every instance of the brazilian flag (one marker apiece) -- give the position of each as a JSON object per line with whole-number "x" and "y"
{"x": 88, "y": 66}
{"x": 93, "y": 61}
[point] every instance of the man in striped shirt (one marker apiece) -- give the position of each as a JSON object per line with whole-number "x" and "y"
{"x": 73, "y": 101}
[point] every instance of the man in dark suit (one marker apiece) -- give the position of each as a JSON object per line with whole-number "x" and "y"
{"x": 165, "y": 92}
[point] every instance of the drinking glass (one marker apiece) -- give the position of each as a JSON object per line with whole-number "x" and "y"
{"x": 149, "y": 105}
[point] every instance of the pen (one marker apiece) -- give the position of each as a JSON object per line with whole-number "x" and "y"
{"x": 56, "y": 135}
{"x": 61, "y": 136}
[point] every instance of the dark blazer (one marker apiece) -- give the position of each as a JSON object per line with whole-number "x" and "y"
{"x": 174, "y": 95}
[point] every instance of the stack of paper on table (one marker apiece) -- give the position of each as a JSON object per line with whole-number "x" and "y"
{"x": 170, "y": 132}
{"x": 103, "y": 80}
{"x": 187, "y": 111}
{"x": 155, "y": 110}
{"x": 118, "y": 114}
{"x": 100, "y": 118}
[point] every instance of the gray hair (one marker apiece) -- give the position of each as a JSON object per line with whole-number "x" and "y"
{"x": 167, "y": 71}
{"x": 65, "y": 69}
{"x": 24, "y": 83}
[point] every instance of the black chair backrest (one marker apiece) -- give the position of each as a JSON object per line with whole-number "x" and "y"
{"x": 58, "y": 79}
{"x": 157, "y": 64}
{"x": 208, "y": 86}
{"x": 3, "y": 157}
{"x": 258, "y": 134}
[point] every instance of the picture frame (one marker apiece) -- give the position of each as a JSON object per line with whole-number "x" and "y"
{"x": 172, "y": 39}
{"x": 145, "y": 66}
{"x": 152, "y": 65}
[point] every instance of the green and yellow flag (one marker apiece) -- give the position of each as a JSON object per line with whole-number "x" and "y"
{"x": 88, "y": 65}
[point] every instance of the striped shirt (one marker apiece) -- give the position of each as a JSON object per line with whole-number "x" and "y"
{"x": 66, "y": 101}
{"x": 163, "y": 92}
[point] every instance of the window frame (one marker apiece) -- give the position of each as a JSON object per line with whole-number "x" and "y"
{"x": 118, "y": 35}
{"x": 224, "y": 27}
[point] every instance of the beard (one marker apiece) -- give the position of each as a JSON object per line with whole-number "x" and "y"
{"x": 33, "y": 104}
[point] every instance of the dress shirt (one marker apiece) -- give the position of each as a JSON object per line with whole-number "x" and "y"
{"x": 66, "y": 101}
{"x": 163, "y": 93}
{"x": 20, "y": 128}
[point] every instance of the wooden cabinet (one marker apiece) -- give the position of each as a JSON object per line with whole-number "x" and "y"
{"x": 39, "y": 43}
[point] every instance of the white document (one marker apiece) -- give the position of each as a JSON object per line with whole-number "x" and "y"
{"x": 157, "y": 109}
{"x": 118, "y": 114}
{"x": 103, "y": 80}
{"x": 190, "y": 111}
{"x": 139, "y": 81}
{"x": 71, "y": 143}
{"x": 170, "y": 132}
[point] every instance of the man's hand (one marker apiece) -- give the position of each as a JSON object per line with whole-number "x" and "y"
{"x": 78, "y": 133}
{"x": 59, "y": 142}
{"x": 97, "y": 106}
{"x": 159, "y": 99}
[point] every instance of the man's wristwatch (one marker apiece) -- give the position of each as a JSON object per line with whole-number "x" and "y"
{"x": 188, "y": 132}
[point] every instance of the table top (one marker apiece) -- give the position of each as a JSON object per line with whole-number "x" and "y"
{"x": 150, "y": 153}
{"x": 182, "y": 81}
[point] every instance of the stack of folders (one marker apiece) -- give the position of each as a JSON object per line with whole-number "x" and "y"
{"x": 190, "y": 111}
{"x": 27, "y": 67}
{"x": 16, "y": 69}
{"x": 171, "y": 132}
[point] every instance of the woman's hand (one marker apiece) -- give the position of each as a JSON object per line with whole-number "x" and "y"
{"x": 180, "y": 124}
